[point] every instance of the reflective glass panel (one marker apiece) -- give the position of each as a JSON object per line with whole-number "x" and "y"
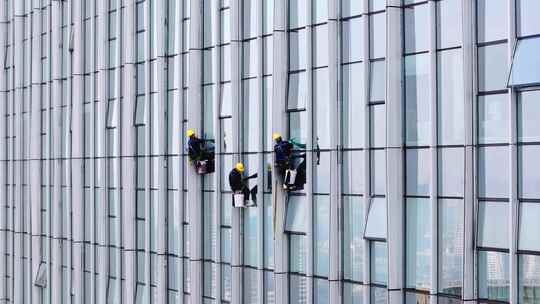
{"x": 298, "y": 289}
{"x": 320, "y": 10}
{"x": 297, "y": 13}
{"x": 418, "y": 243}
{"x": 321, "y": 291}
{"x": 493, "y": 224}
{"x": 379, "y": 263}
{"x": 528, "y": 22}
{"x": 448, "y": 24}
{"x": 492, "y": 20}
{"x": 493, "y": 118}
{"x": 351, "y": 8}
{"x": 493, "y": 276}
{"x": 353, "y": 106}
{"x": 526, "y": 63}
{"x": 418, "y": 123}
{"x": 297, "y": 50}
{"x": 451, "y": 218}
{"x": 416, "y": 28}
{"x": 529, "y": 171}
{"x": 378, "y": 172}
{"x": 321, "y": 254}
{"x": 377, "y": 81}
{"x": 377, "y": 126}
{"x": 295, "y": 219}
{"x": 450, "y": 96}
{"x": 417, "y": 171}
{"x": 492, "y": 66}
{"x": 493, "y": 171}
{"x": 353, "y": 172}
{"x": 297, "y": 253}
{"x": 352, "y": 293}
{"x": 377, "y": 35}
{"x": 297, "y": 91}
{"x": 528, "y": 108}
{"x": 353, "y": 39}
{"x": 529, "y": 279}
{"x": 321, "y": 122}
{"x": 298, "y": 126}
{"x": 353, "y": 242}
{"x": 529, "y": 225}
{"x": 451, "y": 171}
{"x": 376, "y": 220}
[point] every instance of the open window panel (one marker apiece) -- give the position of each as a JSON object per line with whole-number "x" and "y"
{"x": 525, "y": 70}
{"x": 376, "y": 220}
{"x": 295, "y": 216}
{"x": 493, "y": 225}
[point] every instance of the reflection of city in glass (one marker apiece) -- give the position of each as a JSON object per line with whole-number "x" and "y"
{"x": 413, "y": 129}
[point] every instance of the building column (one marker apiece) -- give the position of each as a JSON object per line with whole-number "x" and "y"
{"x": 194, "y": 181}
{"x": 279, "y": 124}
{"x": 128, "y": 162}
{"x": 395, "y": 151}
{"x": 469, "y": 89}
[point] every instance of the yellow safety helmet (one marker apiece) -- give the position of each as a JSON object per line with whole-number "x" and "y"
{"x": 239, "y": 167}
{"x": 190, "y": 133}
{"x": 276, "y": 135}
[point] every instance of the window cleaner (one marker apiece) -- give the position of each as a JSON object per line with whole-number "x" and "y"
{"x": 241, "y": 191}
{"x": 201, "y": 153}
{"x": 290, "y": 164}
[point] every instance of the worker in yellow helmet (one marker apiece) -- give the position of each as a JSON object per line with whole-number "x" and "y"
{"x": 200, "y": 150}
{"x": 238, "y": 184}
{"x": 286, "y": 160}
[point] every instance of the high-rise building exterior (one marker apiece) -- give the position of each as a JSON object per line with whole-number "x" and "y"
{"x": 421, "y": 125}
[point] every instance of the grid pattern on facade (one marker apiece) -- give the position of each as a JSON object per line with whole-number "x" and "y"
{"x": 420, "y": 121}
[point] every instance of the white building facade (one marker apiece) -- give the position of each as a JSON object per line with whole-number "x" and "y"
{"x": 422, "y": 132}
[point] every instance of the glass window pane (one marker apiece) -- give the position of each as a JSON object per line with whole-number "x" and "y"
{"x": 377, "y": 35}
{"x": 451, "y": 173}
{"x": 353, "y": 243}
{"x": 417, "y": 177}
{"x": 418, "y": 243}
{"x": 378, "y": 172}
{"x": 298, "y": 123}
{"x": 298, "y": 289}
{"x": 493, "y": 172}
{"x": 321, "y": 122}
{"x": 379, "y": 263}
{"x": 251, "y": 123}
{"x": 492, "y": 66}
{"x": 417, "y": 100}
{"x": 321, "y": 172}
{"x": 295, "y": 218}
{"x": 297, "y": 91}
{"x": 250, "y": 286}
{"x": 528, "y": 113}
{"x": 269, "y": 288}
{"x": 451, "y": 219}
{"x": 529, "y": 225}
{"x": 250, "y": 237}
{"x": 529, "y": 171}
{"x": 321, "y": 291}
{"x": 493, "y": 275}
{"x": 529, "y": 279}
{"x": 450, "y": 95}
{"x": 353, "y": 106}
{"x": 226, "y": 245}
{"x": 297, "y": 50}
{"x": 321, "y": 234}
{"x": 492, "y": 20}
{"x": 526, "y": 64}
{"x": 353, "y": 39}
{"x": 376, "y": 220}
{"x": 528, "y": 22}
{"x": 225, "y": 56}
{"x": 353, "y": 172}
{"x": 352, "y": 293}
{"x": 320, "y": 45}
{"x": 226, "y": 282}
{"x": 448, "y": 24}
{"x": 377, "y": 81}
{"x": 268, "y": 55}
{"x": 320, "y": 11}
{"x": 268, "y": 16}
{"x": 250, "y": 57}
{"x": 493, "y": 119}
{"x": 416, "y": 28}
{"x": 351, "y": 8}
{"x": 250, "y": 14}
{"x": 493, "y": 224}
{"x": 377, "y": 127}
{"x": 297, "y": 253}
{"x": 225, "y": 26}
{"x": 268, "y": 253}
{"x": 297, "y": 13}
